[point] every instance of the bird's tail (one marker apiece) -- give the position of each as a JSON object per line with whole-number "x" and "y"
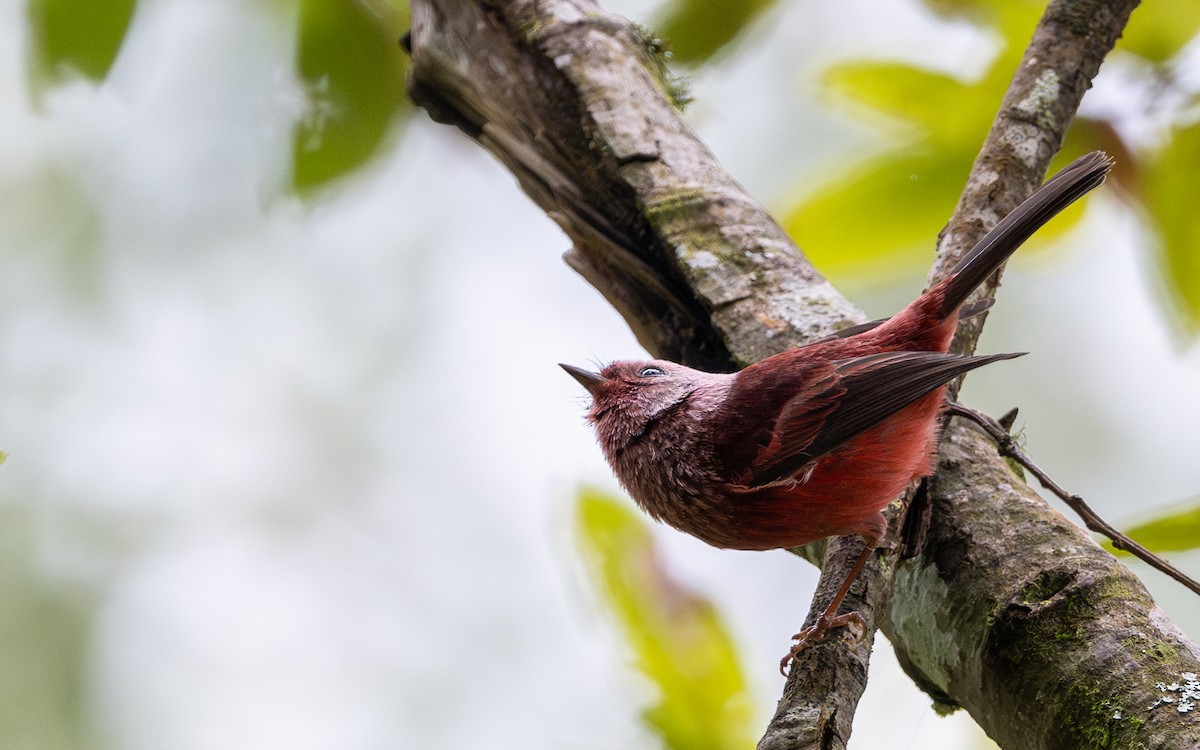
{"x": 1061, "y": 190}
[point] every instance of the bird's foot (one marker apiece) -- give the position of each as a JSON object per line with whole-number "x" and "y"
{"x": 816, "y": 632}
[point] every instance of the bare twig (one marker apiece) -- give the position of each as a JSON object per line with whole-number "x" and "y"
{"x": 1008, "y": 447}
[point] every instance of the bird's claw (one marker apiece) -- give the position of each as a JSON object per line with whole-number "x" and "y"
{"x": 810, "y": 635}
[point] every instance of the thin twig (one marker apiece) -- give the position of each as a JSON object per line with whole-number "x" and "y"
{"x": 1008, "y": 447}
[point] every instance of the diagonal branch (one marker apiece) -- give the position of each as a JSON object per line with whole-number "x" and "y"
{"x": 1008, "y": 610}
{"x": 1070, "y": 42}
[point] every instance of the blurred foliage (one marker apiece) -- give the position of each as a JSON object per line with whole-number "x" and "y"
{"x": 72, "y": 38}
{"x": 1159, "y": 30}
{"x": 678, "y": 639}
{"x": 699, "y": 29}
{"x": 348, "y": 59}
{"x": 1176, "y": 531}
{"x": 57, "y": 221}
{"x": 896, "y": 201}
{"x": 44, "y": 633}
{"x": 1171, "y": 195}
{"x": 352, "y": 68}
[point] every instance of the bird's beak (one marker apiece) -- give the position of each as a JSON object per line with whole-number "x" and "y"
{"x": 586, "y": 378}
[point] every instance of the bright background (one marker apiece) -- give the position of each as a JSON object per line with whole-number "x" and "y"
{"x": 300, "y": 473}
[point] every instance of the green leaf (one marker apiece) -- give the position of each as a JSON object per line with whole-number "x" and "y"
{"x": 1176, "y": 531}
{"x": 698, "y": 29}
{"x": 352, "y": 67}
{"x": 47, "y": 633}
{"x": 881, "y": 218}
{"x": 944, "y": 107}
{"x": 1169, "y": 196}
{"x": 1157, "y": 31}
{"x": 69, "y": 37}
{"x": 1014, "y": 18}
{"x": 678, "y": 639}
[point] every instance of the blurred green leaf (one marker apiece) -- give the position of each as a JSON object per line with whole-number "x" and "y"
{"x": 352, "y": 67}
{"x": 1174, "y": 532}
{"x": 69, "y": 37}
{"x": 1157, "y": 31}
{"x": 943, "y": 107}
{"x": 698, "y": 29}
{"x": 1169, "y": 197}
{"x": 47, "y": 632}
{"x": 1006, "y": 16}
{"x": 882, "y": 217}
{"x": 678, "y": 639}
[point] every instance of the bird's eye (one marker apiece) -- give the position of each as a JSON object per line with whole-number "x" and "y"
{"x": 650, "y": 371}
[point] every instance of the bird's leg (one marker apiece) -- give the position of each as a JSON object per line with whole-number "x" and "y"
{"x": 830, "y": 618}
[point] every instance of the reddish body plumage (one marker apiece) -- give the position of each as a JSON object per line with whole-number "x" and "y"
{"x": 754, "y": 459}
{"x": 815, "y": 441}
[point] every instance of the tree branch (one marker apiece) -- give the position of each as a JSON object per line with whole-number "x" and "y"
{"x": 571, "y": 100}
{"x": 1068, "y": 45}
{"x": 1009, "y": 610}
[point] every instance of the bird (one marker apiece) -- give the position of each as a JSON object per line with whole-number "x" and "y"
{"x": 815, "y": 441}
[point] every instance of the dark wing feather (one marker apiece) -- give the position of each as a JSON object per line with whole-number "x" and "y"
{"x": 1069, "y": 185}
{"x": 803, "y": 417}
{"x": 868, "y": 390}
{"x": 784, "y": 400}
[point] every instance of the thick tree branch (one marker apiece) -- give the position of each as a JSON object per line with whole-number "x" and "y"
{"x": 570, "y": 99}
{"x": 1009, "y": 610}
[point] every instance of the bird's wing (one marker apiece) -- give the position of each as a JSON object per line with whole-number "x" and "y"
{"x": 754, "y": 423}
{"x": 844, "y": 399}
